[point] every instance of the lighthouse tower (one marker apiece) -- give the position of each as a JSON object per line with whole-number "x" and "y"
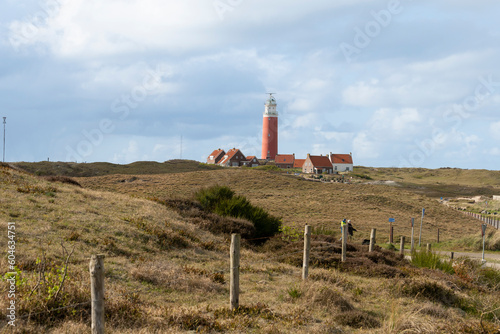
{"x": 270, "y": 129}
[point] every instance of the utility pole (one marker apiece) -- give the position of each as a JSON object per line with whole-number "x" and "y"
{"x": 4, "y": 122}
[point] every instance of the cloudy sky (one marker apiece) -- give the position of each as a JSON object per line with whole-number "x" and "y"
{"x": 398, "y": 83}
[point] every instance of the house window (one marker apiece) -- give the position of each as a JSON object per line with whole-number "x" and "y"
{"x": 211, "y": 157}
{"x": 347, "y": 168}
{"x": 335, "y": 167}
{"x": 269, "y": 135}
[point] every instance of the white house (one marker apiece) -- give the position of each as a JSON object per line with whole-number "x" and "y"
{"x": 341, "y": 162}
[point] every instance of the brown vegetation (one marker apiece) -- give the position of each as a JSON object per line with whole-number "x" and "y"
{"x": 165, "y": 274}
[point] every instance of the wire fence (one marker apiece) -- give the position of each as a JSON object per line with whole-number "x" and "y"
{"x": 487, "y": 220}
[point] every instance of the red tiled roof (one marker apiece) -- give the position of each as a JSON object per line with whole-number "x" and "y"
{"x": 341, "y": 158}
{"x": 284, "y": 158}
{"x": 229, "y": 155}
{"x": 250, "y": 157}
{"x": 298, "y": 163}
{"x": 320, "y": 161}
{"x": 216, "y": 153}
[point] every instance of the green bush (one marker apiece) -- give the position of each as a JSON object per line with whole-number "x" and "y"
{"x": 432, "y": 261}
{"x": 222, "y": 200}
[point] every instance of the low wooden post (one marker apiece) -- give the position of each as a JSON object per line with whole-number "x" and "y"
{"x": 452, "y": 255}
{"x": 96, "y": 268}
{"x": 391, "y": 234}
{"x": 402, "y": 245}
{"x": 234, "y": 286}
{"x": 428, "y": 248}
{"x": 372, "y": 240}
{"x": 307, "y": 249}
{"x": 412, "y": 249}
{"x": 344, "y": 244}
{"x": 438, "y": 237}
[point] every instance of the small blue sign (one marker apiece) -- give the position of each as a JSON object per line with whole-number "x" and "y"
{"x": 423, "y": 211}
{"x": 392, "y": 220}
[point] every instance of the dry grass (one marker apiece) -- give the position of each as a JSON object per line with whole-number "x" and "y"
{"x": 300, "y": 202}
{"x": 165, "y": 274}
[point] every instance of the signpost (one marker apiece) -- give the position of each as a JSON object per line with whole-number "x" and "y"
{"x": 421, "y": 222}
{"x": 483, "y": 231}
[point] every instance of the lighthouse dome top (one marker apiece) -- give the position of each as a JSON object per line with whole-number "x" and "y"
{"x": 270, "y": 109}
{"x": 271, "y": 100}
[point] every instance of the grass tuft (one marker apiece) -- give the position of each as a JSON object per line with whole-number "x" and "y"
{"x": 424, "y": 259}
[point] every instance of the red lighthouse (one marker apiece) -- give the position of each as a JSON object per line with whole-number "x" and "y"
{"x": 270, "y": 130}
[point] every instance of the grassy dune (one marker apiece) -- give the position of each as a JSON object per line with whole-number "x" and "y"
{"x": 46, "y": 168}
{"x": 301, "y": 202}
{"x": 165, "y": 273}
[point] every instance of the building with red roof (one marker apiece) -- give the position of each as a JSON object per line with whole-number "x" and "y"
{"x": 215, "y": 157}
{"x": 298, "y": 163}
{"x": 284, "y": 160}
{"x": 341, "y": 162}
{"x": 233, "y": 158}
{"x": 252, "y": 161}
{"x": 317, "y": 164}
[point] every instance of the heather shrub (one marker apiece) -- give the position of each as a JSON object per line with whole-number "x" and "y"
{"x": 223, "y": 201}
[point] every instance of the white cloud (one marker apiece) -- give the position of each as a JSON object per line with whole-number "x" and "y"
{"x": 421, "y": 83}
{"x": 494, "y": 151}
{"x": 91, "y": 28}
{"x": 495, "y": 130}
{"x": 365, "y": 148}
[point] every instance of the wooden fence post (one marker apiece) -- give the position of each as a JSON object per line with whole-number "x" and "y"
{"x": 234, "y": 286}
{"x": 428, "y": 248}
{"x": 372, "y": 240}
{"x": 412, "y": 248}
{"x": 96, "y": 268}
{"x": 344, "y": 243}
{"x": 402, "y": 246}
{"x": 438, "y": 237}
{"x": 307, "y": 249}
{"x": 452, "y": 255}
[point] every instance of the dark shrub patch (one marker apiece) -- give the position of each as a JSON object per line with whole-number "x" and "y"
{"x": 63, "y": 179}
{"x": 217, "y": 224}
{"x": 357, "y": 319}
{"x": 428, "y": 289}
{"x": 222, "y": 200}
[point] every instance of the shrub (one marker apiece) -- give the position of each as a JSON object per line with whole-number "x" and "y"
{"x": 63, "y": 179}
{"x": 428, "y": 289}
{"x": 357, "y": 319}
{"x": 210, "y": 198}
{"x": 222, "y": 200}
{"x": 432, "y": 261}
